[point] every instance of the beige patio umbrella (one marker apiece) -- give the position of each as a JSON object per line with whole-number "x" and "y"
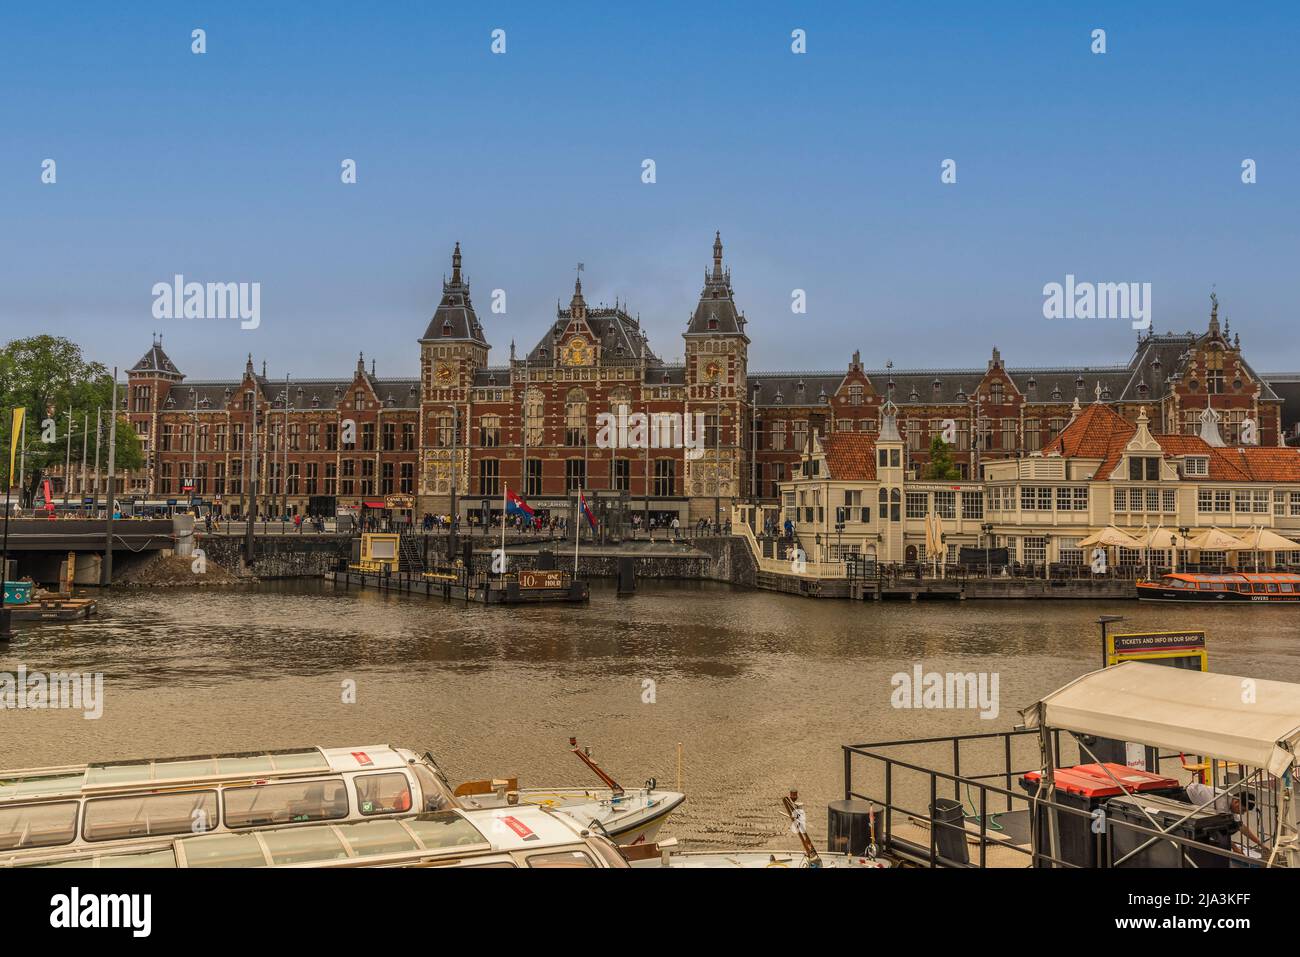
{"x": 1260, "y": 539}
{"x": 1162, "y": 539}
{"x": 1216, "y": 540}
{"x": 1110, "y": 537}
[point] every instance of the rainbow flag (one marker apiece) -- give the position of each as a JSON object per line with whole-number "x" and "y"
{"x": 586, "y": 510}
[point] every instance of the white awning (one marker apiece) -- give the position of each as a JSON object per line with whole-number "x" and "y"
{"x": 1251, "y": 721}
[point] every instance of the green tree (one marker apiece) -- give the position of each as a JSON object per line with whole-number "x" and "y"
{"x": 941, "y": 466}
{"x": 47, "y": 375}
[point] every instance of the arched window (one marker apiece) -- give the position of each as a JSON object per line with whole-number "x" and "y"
{"x": 490, "y": 431}
{"x": 575, "y": 418}
{"x": 534, "y": 413}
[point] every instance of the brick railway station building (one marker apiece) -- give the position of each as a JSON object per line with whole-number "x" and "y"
{"x": 532, "y": 422}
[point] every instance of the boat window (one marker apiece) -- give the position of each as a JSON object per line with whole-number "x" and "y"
{"x": 41, "y": 784}
{"x": 288, "y": 803}
{"x": 367, "y": 838}
{"x": 561, "y": 859}
{"x": 106, "y": 774}
{"x": 1206, "y": 586}
{"x": 114, "y": 819}
{"x": 1287, "y": 586}
{"x": 1272, "y": 587}
{"x": 444, "y": 829}
{"x": 154, "y": 858}
{"x": 383, "y": 793}
{"x": 38, "y": 825}
{"x": 432, "y": 794}
{"x": 223, "y": 850}
{"x": 301, "y": 845}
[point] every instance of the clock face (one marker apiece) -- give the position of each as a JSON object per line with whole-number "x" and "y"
{"x": 713, "y": 370}
{"x": 442, "y": 373}
{"x": 576, "y": 352}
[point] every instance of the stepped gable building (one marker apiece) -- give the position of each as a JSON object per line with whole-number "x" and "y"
{"x": 532, "y": 421}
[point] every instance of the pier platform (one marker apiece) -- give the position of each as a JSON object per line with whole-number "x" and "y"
{"x": 517, "y": 588}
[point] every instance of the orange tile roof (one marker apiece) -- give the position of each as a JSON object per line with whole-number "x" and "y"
{"x": 1089, "y": 434}
{"x": 1100, "y": 433}
{"x": 850, "y": 456}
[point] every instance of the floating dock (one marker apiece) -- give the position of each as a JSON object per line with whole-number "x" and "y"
{"x": 53, "y": 609}
{"x": 516, "y": 588}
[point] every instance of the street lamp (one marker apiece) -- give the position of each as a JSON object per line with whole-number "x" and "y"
{"x": 987, "y": 529}
{"x": 1103, "y": 621}
{"x": 1183, "y": 533}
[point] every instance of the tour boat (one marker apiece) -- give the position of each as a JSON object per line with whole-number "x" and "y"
{"x": 100, "y": 805}
{"x": 526, "y": 836}
{"x": 1226, "y": 587}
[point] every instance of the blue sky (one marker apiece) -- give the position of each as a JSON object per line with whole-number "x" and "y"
{"x": 821, "y": 170}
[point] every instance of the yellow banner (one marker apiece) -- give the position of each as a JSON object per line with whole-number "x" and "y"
{"x": 14, "y": 436}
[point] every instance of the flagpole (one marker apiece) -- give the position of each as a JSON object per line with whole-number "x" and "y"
{"x": 577, "y": 533}
{"x": 505, "y": 494}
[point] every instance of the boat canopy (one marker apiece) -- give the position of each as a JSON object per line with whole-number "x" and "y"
{"x": 1251, "y": 721}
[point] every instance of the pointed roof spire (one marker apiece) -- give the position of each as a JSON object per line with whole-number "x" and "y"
{"x": 361, "y": 363}
{"x": 717, "y": 254}
{"x": 455, "y": 264}
{"x": 248, "y": 366}
{"x": 1214, "y": 314}
{"x": 1210, "y": 425}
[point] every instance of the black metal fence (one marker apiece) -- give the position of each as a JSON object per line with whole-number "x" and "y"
{"x": 890, "y": 783}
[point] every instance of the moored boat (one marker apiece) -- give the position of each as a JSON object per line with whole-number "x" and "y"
{"x": 528, "y": 836}
{"x": 1222, "y": 587}
{"x": 97, "y": 806}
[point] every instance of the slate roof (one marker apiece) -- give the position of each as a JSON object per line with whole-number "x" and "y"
{"x": 155, "y": 361}
{"x": 454, "y": 319}
{"x": 716, "y": 312}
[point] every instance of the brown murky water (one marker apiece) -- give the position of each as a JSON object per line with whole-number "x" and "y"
{"x": 759, "y": 689}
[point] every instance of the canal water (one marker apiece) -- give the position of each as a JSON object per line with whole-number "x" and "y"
{"x": 759, "y": 689}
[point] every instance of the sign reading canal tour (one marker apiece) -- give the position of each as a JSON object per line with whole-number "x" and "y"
{"x": 543, "y": 579}
{"x": 1179, "y": 649}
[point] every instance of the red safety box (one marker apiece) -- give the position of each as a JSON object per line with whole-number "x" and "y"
{"x": 1086, "y": 787}
{"x": 1090, "y": 782}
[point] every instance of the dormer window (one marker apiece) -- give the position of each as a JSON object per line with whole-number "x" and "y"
{"x": 1143, "y": 468}
{"x": 1196, "y": 465}
{"x": 446, "y": 327}
{"x": 713, "y": 322}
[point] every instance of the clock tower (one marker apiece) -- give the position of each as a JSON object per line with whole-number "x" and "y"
{"x": 717, "y": 363}
{"x": 452, "y": 349}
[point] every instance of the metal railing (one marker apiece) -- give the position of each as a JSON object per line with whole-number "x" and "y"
{"x": 983, "y": 796}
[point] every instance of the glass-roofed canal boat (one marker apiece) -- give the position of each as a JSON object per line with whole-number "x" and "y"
{"x": 97, "y": 806}
{"x": 525, "y": 836}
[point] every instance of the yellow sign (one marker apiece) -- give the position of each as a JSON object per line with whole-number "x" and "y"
{"x": 1181, "y": 649}
{"x": 14, "y": 436}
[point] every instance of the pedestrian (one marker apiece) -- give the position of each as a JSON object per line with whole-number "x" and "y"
{"x": 677, "y": 528}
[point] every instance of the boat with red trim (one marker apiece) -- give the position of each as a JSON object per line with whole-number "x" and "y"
{"x": 1222, "y": 587}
